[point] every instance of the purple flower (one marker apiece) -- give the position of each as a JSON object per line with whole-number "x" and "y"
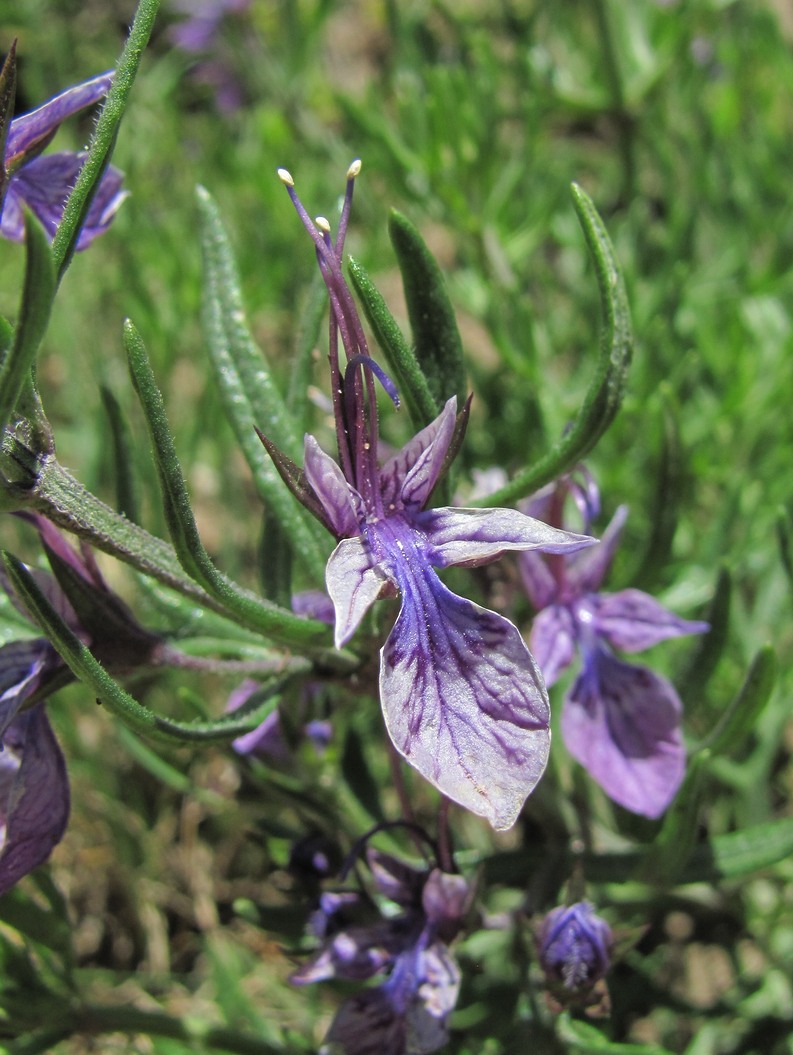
{"x": 574, "y": 948}
{"x": 268, "y": 741}
{"x": 34, "y": 789}
{"x": 34, "y": 795}
{"x": 462, "y": 697}
{"x": 200, "y": 33}
{"x": 620, "y": 721}
{"x": 43, "y": 183}
{"x": 407, "y": 1013}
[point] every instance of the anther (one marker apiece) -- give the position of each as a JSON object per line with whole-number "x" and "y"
{"x": 322, "y": 223}
{"x": 285, "y": 176}
{"x": 354, "y": 169}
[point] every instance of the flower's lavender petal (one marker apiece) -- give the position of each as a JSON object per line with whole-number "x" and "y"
{"x": 632, "y": 620}
{"x": 476, "y": 536}
{"x": 342, "y": 503}
{"x": 356, "y": 953}
{"x": 266, "y": 741}
{"x": 394, "y": 879}
{"x": 34, "y": 796}
{"x": 408, "y": 478}
{"x": 587, "y": 571}
{"x": 437, "y": 995}
{"x": 445, "y": 900}
{"x": 540, "y": 505}
{"x": 353, "y": 584}
{"x": 574, "y": 946}
{"x": 622, "y": 723}
{"x": 463, "y": 699}
{"x": 36, "y": 128}
{"x": 314, "y": 604}
{"x": 538, "y": 580}
{"x": 22, "y": 664}
{"x": 44, "y": 184}
{"x": 552, "y": 641}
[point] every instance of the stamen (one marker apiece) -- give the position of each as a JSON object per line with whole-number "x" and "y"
{"x": 323, "y": 224}
{"x": 285, "y": 176}
{"x": 388, "y": 385}
{"x": 354, "y": 169}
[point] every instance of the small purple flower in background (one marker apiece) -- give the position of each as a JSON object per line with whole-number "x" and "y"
{"x": 574, "y": 947}
{"x": 622, "y": 722}
{"x": 43, "y": 183}
{"x": 407, "y": 1013}
{"x": 201, "y": 33}
{"x": 268, "y": 741}
{"x": 462, "y": 697}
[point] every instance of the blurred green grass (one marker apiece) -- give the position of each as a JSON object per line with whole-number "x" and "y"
{"x": 472, "y": 119}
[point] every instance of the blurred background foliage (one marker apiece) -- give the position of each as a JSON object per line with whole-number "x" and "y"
{"x": 472, "y": 118}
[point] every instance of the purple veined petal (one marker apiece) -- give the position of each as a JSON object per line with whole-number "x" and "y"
{"x": 353, "y": 584}
{"x": 341, "y": 501}
{"x": 463, "y": 699}
{"x": 409, "y": 477}
{"x": 44, "y": 184}
{"x": 437, "y": 997}
{"x": 21, "y": 666}
{"x": 29, "y": 130}
{"x": 622, "y": 723}
{"x": 538, "y": 580}
{"x": 474, "y": 536}
{"x": 34, "y": 796}
{"x": 586, "y": 572}
{"x": 632, "y": 621}
{"x": 552, "y": 641}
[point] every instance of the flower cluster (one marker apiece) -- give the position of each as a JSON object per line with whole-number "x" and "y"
{"x": 462, "y": 697}
{"x": 621, "y": 721}
{"x": 42, "y": 182}
{"x": 408, "y": 1011}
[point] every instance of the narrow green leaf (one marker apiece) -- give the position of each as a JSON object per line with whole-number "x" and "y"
{"x": 275, "y": 563}
{"x": 8, "y": 87}
{"x": 87, "y": 669}
{"x": 308, "y": 326}
{"x": 126, "y": 501}
{"x": 436, "y": 338}
{"x": 604, "y": 396}
{"x": 663, "y": 515}
{"x": 413, "y": 386}
{"x": 104, "y": 137}
{"x": 250, "y": 396}
{"x": 709, "y": 647}
{"x": 744, "y": 712}
{"x": 587, "y": 1039}
{"x": 784, "y": 525}
{"x": 673, "y": 845}
{"x": 358, "y": 776}
{"x": 34, "y": 312}
{"x": 256, "y": 613}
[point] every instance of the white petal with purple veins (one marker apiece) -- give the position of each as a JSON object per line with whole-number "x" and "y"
{"x": 463, "y": 700}
{"x": 416, "y": 468}
{"x": 341, "y": 501}
{"x": 353, "y": 584}
{"x": 475, "y": 536}
{"x": 622, "y": 723}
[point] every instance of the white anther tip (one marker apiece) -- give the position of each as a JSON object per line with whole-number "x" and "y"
{"x": 285, "y": 176}
{"x": 354, "y": 169}
{"x": 322, "y": 223}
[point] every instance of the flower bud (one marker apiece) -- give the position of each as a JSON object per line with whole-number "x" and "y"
{"x": 574, "y": 948}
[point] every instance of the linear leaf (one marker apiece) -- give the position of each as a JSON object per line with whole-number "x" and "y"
{"x": 605, "y": 392}
{"x": 250, "y": 396}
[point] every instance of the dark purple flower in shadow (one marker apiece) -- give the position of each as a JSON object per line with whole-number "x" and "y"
{"x": 34, "y": 796}
{"x": 406, "y": 1014}
{"x": 462, "y": 697}
{"x": 34, "y": 790}
{"x": 621, "y": 721}
{"x": 574, "y": 947}
{"x": 202, "y": 33}
{"x": 43, "y": 183}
